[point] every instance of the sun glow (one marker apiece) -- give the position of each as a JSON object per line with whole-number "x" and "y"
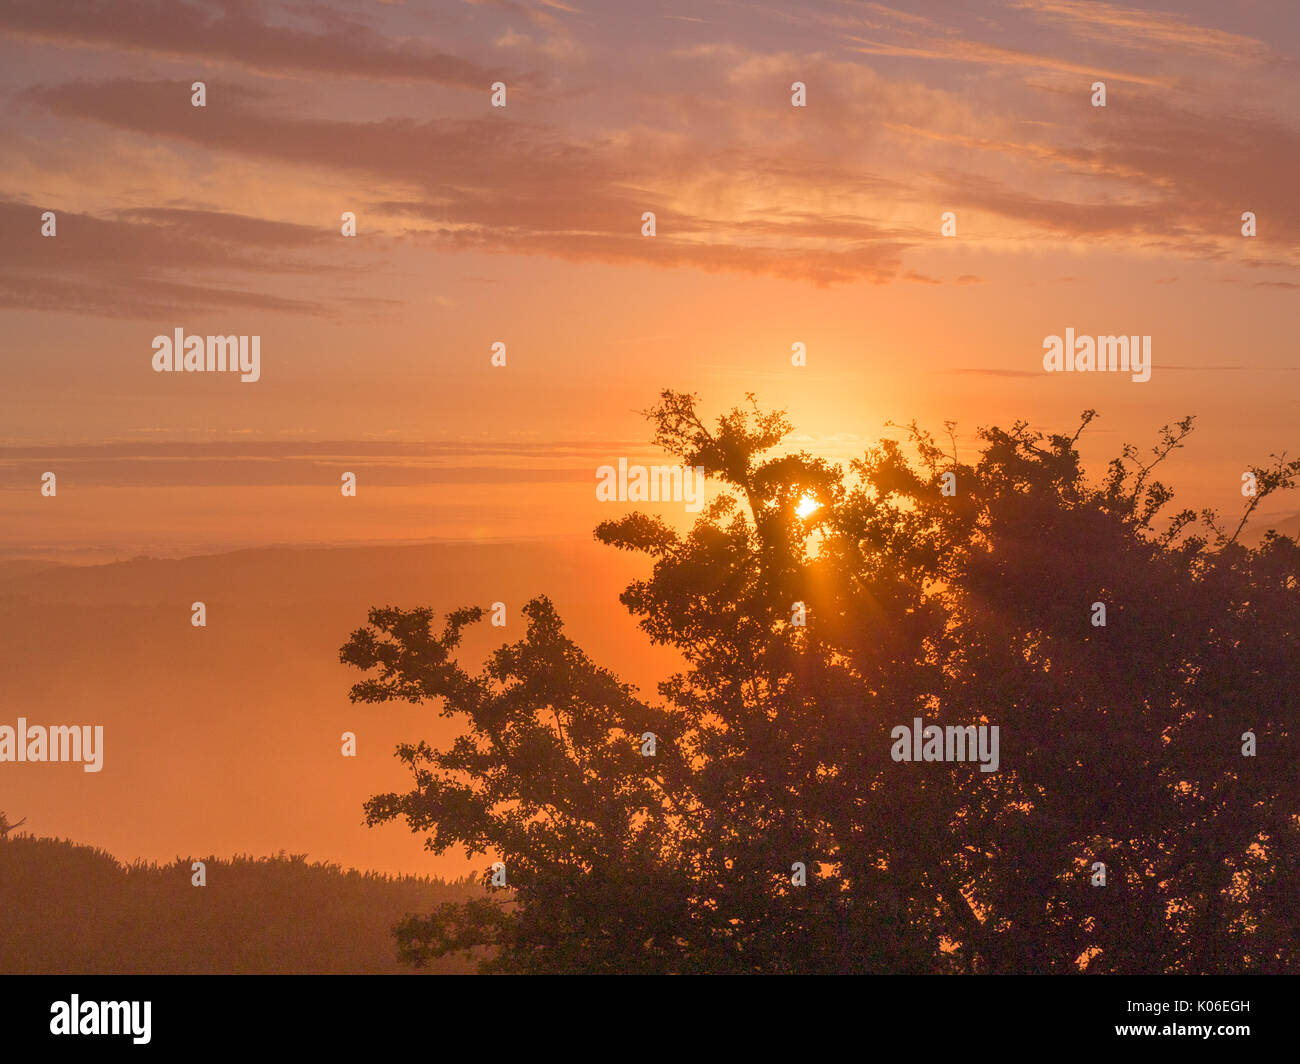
{"x": 807, "y": 505}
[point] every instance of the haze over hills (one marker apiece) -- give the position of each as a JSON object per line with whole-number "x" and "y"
{"x": 227, "y": 739}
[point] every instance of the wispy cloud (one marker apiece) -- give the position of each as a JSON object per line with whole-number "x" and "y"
{"x": 1128, "y": 27}
{"x": 966, "y": 51}
{"x": 234, "y": 32}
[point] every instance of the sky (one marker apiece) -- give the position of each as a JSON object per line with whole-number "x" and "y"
{"x": 775, "y": 225}
{"x": 521, "y": 224}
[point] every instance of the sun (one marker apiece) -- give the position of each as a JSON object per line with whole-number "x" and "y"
{"x": 806, "y": 506}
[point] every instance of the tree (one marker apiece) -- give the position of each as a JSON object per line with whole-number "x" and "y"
{"x": 1121, "y": 744}
{"x": 6, "y": 827}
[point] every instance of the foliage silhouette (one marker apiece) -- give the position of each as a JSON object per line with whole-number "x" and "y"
{"x": 1119, "y": 744}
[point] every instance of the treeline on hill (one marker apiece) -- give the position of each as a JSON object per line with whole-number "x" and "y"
{"x": 66, "y": 908}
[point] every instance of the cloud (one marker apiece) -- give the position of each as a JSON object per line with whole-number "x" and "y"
{"x": 116, "y": 297}
{"x": 1128, "y": 27}
{"x": 965, "y": 51}
{"x": 1056, "y": 215}
{"x": 231, "y": 31}
{"x": 262, "y": 463}
{"x": 492, "y": 184}
{"x": 738, "y": 180}
{"x": 123, "y": 266}
{"x": 1145, "y": 175}
{"x": 234, "y": 230}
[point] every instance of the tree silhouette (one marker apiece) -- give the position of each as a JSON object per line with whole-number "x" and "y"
{"x": 1120, "y": 744}
{"x": 6, "y": 827}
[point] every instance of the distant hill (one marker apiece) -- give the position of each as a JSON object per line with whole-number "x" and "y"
{"x": 226, "y": 739}
{"x": 1282, "y": 524}
{"x": 71, "y": 909}
{"x": 20, "y": 567}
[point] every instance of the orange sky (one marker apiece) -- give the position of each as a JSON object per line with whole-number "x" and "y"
{"x": 775, "y": 224}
